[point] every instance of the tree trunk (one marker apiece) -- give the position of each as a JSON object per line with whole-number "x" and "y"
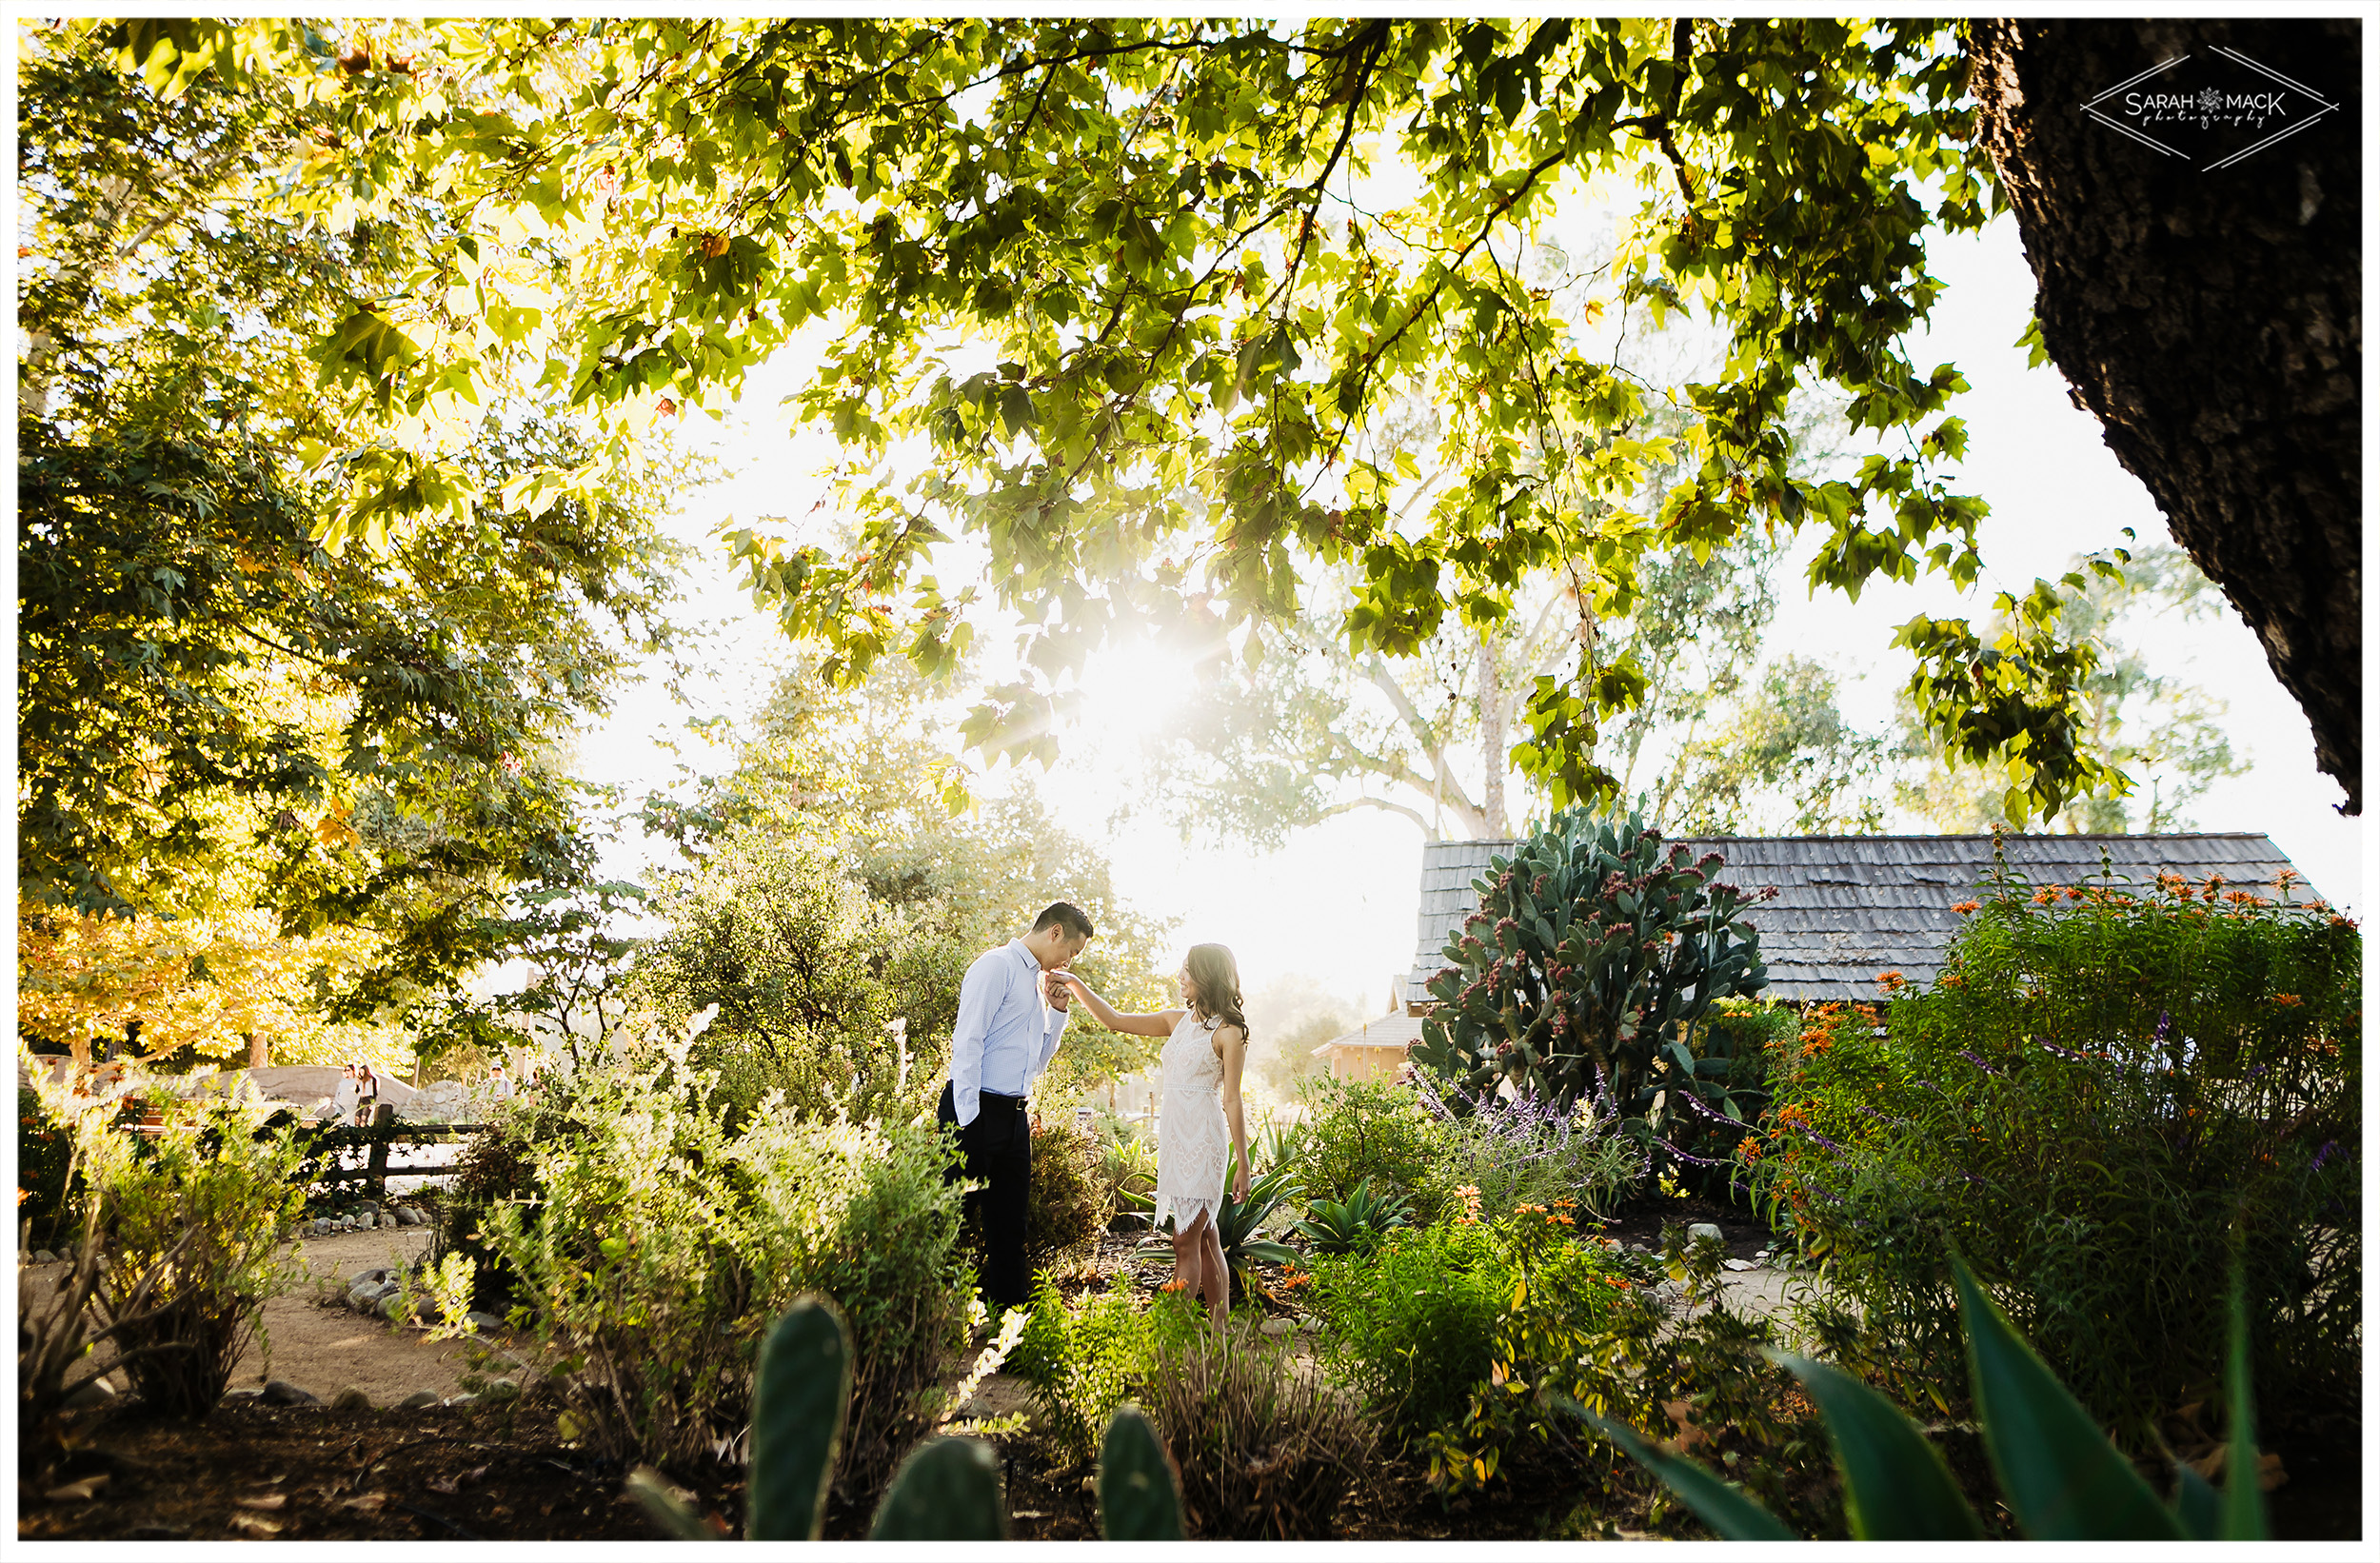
{"x": 1492, "y": 738}
{"x": 259, "y": 1057}
{"x": 2211, "y": 319}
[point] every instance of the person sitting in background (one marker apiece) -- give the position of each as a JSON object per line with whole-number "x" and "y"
{"x": 343, "y": 1096}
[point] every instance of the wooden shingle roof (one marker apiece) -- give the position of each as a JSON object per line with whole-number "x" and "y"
{"x": 1851, "y": 907}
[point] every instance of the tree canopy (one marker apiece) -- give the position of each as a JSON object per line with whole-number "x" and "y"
{"x": 222, "y": 709}
{"x": 1123, "y": 300}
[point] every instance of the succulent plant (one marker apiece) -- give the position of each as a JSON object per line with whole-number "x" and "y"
{"x": 1593, "y": 954}
{"x": 946, "y": 1490}
{"x": 1343, "y": 1226}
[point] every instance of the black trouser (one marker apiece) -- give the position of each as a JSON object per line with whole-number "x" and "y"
{"x": 996, "y": 1150}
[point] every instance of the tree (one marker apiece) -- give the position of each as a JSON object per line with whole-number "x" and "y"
{"x": 2165, "y": 732}
{"x": 860, "y": 778}
{"x": 2211, "y": 321}
{"x": 1184, "y": 311}
{"x": 230, "y": 986}
{"x": 222, "y": 705}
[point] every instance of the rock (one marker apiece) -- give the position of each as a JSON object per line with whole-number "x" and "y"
{"x": 1741, "y": 1264}
{"x": 418, "y": 1400}
{"x": 92, "y": 1392}
{"x": 368, "y": 1277}
{"x": 366, "y": 1221}
{"x": 501, "y": 1389}
{"x": 406, "y": 1218}
{"x": 1276, "y": 1327}
{"x": 43, "y": 1255}
{"x": 1704, "y": 1229}
{"x": 463, "y": 1399}
{"x": 280, "y": 1391}
{"x": 347, "y": 1397}
{"x": 391, "y": 1308}
{"x": 242, "y": 1397}
{"x": 1309, "y": 1324}
{"x": 484, "y": 1323}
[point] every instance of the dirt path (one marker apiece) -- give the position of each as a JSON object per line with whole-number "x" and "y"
{"x": 324, "y": 1349}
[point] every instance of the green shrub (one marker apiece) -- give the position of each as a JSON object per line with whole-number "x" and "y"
{"x": 1127, "y": 1173}
{"x": 1410, "y": 1327}
{"x": 665, "y": 1241}
{"x": 2102, "y": 1087}
{"x": 1066, "y": 1205}
{"x": 1359, "y": 1130}
{"x": 43, "y": 1150}
{"x": 1080, "y": 1363}
{"x": 191, "y": 1218}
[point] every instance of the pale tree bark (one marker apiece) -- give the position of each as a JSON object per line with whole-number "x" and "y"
{"x": 1492, "y": 741}
{"x": 2212, "y": 322}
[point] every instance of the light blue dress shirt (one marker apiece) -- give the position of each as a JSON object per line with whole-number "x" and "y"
{"x": 1005, "y": 1033}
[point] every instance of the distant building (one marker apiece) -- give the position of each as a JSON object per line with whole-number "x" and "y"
{"x": 1374, "y": 1050}
{"x": 1850, "y": 908}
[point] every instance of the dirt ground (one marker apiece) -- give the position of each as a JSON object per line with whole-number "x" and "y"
{"x": 325, "y": 1349}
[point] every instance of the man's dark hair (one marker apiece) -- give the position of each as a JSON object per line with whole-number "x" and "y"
{"x": 1067, "y": 916}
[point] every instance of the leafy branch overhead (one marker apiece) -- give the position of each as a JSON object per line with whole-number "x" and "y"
{"x": 1123, "y": 300}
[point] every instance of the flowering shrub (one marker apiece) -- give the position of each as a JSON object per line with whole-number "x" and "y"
{"x": 1525, "y": 1150}
{"x": 1083, "y": 1362}
{"x": 2103, "y": 1088}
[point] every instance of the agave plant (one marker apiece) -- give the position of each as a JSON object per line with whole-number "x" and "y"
{"x": 1347, "y": 1226}
{"x": 1241, "y": 1224}
{"x": 2064, "y": 1479}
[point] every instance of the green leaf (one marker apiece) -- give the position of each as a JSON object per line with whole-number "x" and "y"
{"x": 2061, "y": 1476}
{"x": 1722, "y": 1505}
{"x": 2243, "y": 1492}
{"x": 1896, "y": 1486}
{"x": 947, "y": 1490}
{"x": 1138, "y": 1490}
{"x": 801, "y": 1398}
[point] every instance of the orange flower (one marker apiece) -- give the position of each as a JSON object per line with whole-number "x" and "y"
{"x": 1890, "y": 981}
{"x": 1964, "y": 907}
{"x": 2044, "y": 895}
{"x": 2288, "y": 1000}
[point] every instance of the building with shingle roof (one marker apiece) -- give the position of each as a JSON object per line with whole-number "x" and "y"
{"x": 1849, "y": 908}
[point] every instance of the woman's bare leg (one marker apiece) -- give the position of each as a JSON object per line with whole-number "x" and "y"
{"x": 1218, "y": 1277}
{"x": 1186, "y": 1259}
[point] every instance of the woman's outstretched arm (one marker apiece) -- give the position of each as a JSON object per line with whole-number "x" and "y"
{"x": 1159, "y": 1024}
{"x": 1233, "y": 1044}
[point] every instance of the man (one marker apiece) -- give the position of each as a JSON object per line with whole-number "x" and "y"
{"x": 1011, "y": 1012}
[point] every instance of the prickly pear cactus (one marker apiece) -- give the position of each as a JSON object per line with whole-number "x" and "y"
{"x": 1139, "y": 1498}
{"x": 1593, "y": 954}
{"x": 947, "y": 1490}
{"x": 798, "y": 1403}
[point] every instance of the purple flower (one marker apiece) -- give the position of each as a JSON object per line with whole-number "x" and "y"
{"x": 2324, "y": 1155}
{"x": 1977, "y": 1061}
{"x": 1823, "y": 1140}
{"x": 2165, "y": 1018}
{"x": 2061, "y": 1052}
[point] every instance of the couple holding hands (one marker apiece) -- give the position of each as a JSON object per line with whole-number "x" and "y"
{"x": 1014, "y": 1005}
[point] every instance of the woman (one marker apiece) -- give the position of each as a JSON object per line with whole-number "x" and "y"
{"x": 1202, "y": 1133}
{"x": 343, "y": 1097}
{"x": 367, "y": 1095}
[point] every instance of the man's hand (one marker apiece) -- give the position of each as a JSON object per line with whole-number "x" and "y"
{"x": 1055, "y": 992}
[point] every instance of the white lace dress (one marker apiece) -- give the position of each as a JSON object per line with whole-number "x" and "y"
{"x": 1193, "y": 1141}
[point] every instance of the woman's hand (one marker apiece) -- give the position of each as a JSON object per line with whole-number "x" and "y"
{"x": 1240, "y": 1182}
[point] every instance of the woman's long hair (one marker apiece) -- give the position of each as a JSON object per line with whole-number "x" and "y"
{"x": 1217, "y": 978}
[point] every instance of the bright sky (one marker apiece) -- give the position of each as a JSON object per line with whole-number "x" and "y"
{"x": 1337, "y": 904}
